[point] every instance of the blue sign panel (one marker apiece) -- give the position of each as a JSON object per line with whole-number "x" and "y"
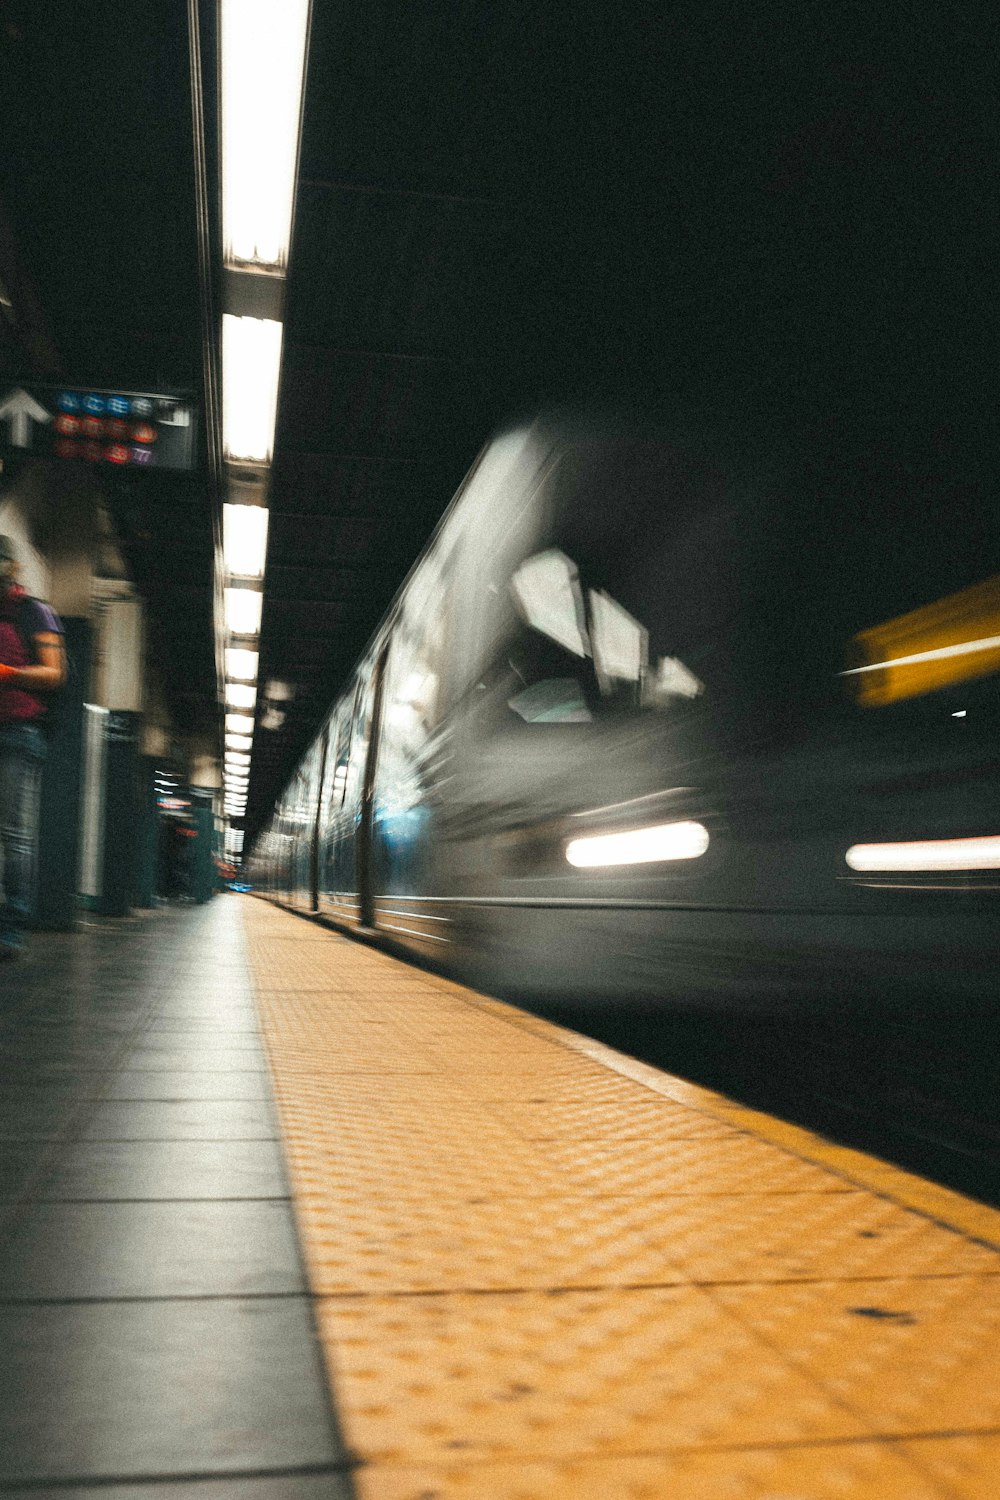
{"x": 126, "y": 429}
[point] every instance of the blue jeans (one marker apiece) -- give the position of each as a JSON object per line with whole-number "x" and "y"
{"x": 22, "y": 751}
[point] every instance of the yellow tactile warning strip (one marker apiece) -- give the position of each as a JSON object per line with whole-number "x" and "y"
{"x": 544, "y": 1271}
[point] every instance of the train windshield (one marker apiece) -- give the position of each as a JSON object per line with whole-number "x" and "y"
{"x": 654, "y": 583}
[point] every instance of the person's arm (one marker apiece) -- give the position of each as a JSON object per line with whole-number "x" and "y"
{"x": 47, "y": 674}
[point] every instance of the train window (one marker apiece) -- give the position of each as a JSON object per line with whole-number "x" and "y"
{"x": 415, "y": 689}
{"x": 547, "y": 592}
{"x": 338, "y": 755}
{"x": 572, "y": 656}
{"x": 554, "y": 700}
{"x": 548, "y": 599}
{"x": 616, "y": 583}
{"x": 357, "y": 749}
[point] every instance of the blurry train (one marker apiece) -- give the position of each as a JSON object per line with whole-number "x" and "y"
{"x": 653, "y": 721}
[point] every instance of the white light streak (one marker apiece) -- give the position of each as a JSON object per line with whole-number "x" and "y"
{"x": 665, "y": 841}
{"x": 239, "y": 723}
{"x": 928, "y": 854}
{"x": 239, "y": 741}
{"x": 988, "y": 643}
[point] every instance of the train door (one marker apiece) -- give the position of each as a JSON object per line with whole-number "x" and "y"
{"x": 366, "y": 822}
{"x": 314, "y": 845}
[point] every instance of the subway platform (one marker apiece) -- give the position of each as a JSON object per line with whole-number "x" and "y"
{"x": 283, "y": 1217}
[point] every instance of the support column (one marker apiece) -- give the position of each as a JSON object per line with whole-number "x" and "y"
{"x": 119, "y": 687}
{"x": 203, "y": 880}
{"x": 205, "y": 778}
{"x": 121, "y": 805}
{"x": 148, "y": 815}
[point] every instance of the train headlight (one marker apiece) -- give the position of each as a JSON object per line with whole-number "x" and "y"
{"x": 639, "y": 846}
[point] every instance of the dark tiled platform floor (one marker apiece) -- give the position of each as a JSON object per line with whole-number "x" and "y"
{"x": 156, "y": 1337}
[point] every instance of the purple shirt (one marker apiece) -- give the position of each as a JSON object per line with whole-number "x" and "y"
{"x": 21, "y": 616}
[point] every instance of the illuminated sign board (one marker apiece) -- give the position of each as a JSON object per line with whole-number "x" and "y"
{"x": 126, "y": 429}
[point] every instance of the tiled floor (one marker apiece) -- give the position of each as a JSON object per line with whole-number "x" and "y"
{"x": 156, "y": 1339}
{"x": 537, "y": 1270}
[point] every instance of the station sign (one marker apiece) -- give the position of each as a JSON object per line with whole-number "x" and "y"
{"x": 126, "y": 429}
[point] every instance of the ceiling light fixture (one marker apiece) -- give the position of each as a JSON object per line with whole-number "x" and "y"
{"x": 243, "y": 608}
{"x": 263, "y": 45}
{"x": 251, "y": 364}
{"x": 241, "y": 665}
{"x": 262, "y": 49}
{"x": 244, "y": 539}
{"x": 240, "y": 695}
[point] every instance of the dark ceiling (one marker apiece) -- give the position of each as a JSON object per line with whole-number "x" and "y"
{"x": 772, "y": 209}
{"x": 97, "y": 192}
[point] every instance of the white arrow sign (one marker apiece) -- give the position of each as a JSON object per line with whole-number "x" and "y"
{"x": 21, "y": 409}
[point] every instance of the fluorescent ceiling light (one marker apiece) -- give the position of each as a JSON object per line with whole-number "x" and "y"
{"x": 239, "y": 723}
{"x": 251, "y": 363}
{"x": 640, "y": 846}
{"x": 241, "y": 665}
{"x": 244, "y": 539}
{"x": 243, "y": 607}
{"x": 927, "y": 854}
{"x": 263, "y": 44}
{"x": 240, "y": 695}
{"x": 239, "y": 741}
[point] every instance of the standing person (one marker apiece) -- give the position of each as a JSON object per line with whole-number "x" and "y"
{"x": 32, "y": 665}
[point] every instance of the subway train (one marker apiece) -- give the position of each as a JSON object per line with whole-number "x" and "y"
{"x": 672, "y": 721}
